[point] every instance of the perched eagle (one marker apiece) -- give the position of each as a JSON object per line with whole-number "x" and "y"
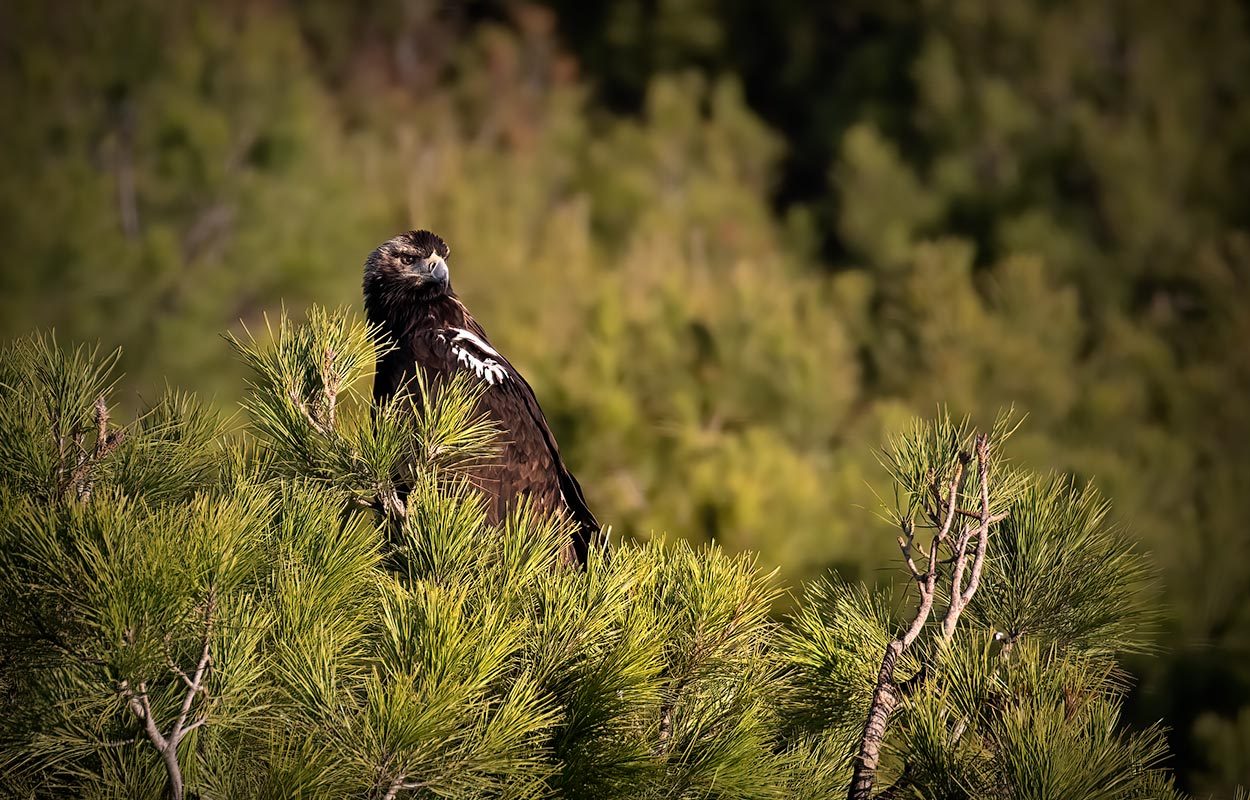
{"x": 408, "y": 294}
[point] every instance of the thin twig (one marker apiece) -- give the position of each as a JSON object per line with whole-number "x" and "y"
{"x": 299, "y": 403}
{"x": 140, "y": 705}
{"x": 195, "y": 724}
{"x": 960, "y": 595}
{"x": 905, "y": 543}
{"x": 978, "y": 561}
{"x": 197, "y": 683}
{"x": 169, "y": 662}
{"x": 82, "y": 479}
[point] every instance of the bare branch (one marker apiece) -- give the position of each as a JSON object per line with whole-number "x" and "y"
{"x": 402, "y": 782}
{"x": 392, "y": 506}
{"x": 196, "y": 684}
{"x": 976, "y": 515}
{"x": 961, "y": 595}
{"x": 983, "y": 533}
{"x": 169, "y": 662}
{"x": 101, "y": 423}
{"x": 922, "y": 613}
{"x": 330, "y": 385}
{"x": 139, "y": 704}
{"x": 928, "y": 588}
{"x": 195, "y": 724}
{"x": 884, "y": 699}
{"x": 137, "y": 700}
{"x": 951, "y": 502}
{"x": 906, "y": 543}
{"x": 885, "y": 695}
{"x": 942, "y": 512}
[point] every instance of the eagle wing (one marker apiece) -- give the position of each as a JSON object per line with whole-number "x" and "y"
{"x": 531, "y": 463}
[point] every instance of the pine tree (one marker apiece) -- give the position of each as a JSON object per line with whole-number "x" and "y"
{"x": 314, "y": 606}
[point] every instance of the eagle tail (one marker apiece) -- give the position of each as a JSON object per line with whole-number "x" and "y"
{"x": 589, "y": 534}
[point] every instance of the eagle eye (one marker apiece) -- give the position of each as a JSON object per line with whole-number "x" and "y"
{"x": 407, "y": 259}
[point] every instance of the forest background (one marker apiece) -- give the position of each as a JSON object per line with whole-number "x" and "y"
{"x": 731, "y": 244}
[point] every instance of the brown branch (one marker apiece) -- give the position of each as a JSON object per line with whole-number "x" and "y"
{"x": 195, "y": 724}
{"x": 929, "y": 586}
{"x": 196, "y": 684}
{"x": 884, "y": 699}
{"x": 983, "y": 533}
{"x": 173, "y": 667}
{"x": 390, "y": 504}
{"x": 887, "y": 693}
{"x": 81, "y": 478}
{"x": 951, "y": 502}
{"x": 139, "y": 704}
{"x": 330, "y": 385}
{"x": 960, "y": 595}
{"x": 299, "y": 403}
{"x": 402, "y": 782}
{"x": 101, "y": 424}
{"x": 142, "y": 709}
{"x": 905, "y": 543}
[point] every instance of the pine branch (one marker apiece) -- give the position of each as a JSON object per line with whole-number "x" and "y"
{"x": 81, "y": 478}
{"x": 887, "y": 693}
{"x": 140, "y": 705}
{"x": 960, "y": 596}
{"x": 173, "y": 666}
{"x": 700, "y": 648}
{"x": 402, "y": 784}
{"x": 196, "y": 685}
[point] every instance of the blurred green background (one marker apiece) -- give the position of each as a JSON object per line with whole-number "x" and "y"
{"x": 731, "y": 244}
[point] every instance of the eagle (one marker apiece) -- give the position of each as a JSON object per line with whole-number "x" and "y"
{"x": 408, "y": 295}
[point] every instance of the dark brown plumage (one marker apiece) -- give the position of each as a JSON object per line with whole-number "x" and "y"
{"x": 408, "y": 293}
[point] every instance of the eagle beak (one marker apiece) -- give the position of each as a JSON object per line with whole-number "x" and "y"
{"x": 436, "y": 268}
{"x": 439, "y": 270}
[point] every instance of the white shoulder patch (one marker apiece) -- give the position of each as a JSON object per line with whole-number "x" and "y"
{"x": 472, "y": 352}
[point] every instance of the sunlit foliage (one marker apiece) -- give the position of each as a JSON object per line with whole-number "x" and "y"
{"x": 731, "y": 245}
{"x": 269, "y": 619}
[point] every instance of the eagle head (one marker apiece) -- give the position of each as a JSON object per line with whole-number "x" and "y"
{"x": 410, "y": 268}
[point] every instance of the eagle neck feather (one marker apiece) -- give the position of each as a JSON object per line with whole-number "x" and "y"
{"x": 403, "y": 316}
